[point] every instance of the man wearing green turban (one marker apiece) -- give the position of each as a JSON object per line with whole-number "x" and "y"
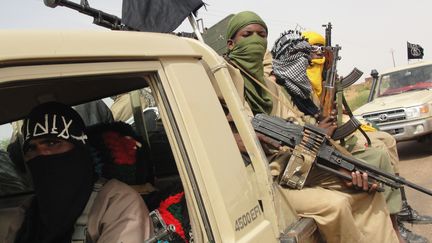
{"x": 247, "y": 42}
{"x": 342, "y": 215}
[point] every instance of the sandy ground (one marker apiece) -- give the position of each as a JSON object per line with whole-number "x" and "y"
{"x": 416, "y": 166}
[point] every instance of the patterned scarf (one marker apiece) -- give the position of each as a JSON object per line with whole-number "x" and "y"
{"x": 291, "y": 57}
{"x": 291, "y": 54}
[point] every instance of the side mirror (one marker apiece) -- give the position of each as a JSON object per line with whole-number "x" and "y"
{"x": 374, "y": 73}
{"x": 51, "y": 3}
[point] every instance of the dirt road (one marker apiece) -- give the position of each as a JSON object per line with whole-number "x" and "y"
{"x": 416, "y": 166}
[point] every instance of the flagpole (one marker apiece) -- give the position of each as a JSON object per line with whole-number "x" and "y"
{"x": 195, "y": 27}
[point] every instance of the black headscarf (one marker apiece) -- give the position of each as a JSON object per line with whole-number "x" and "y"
{"x": 62, "y": 182}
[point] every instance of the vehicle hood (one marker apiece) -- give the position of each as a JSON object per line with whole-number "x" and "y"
{"x": 407, "y": 99}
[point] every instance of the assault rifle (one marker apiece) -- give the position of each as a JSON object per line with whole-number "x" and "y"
{"x": 312, "y": 148}
{"x": 334, "y": 86}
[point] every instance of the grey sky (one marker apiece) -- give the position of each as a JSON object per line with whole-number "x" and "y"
{"x": 367, "y": 30}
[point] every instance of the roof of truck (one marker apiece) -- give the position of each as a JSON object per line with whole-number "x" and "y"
{"x": 413, "y": 65}
{"x": 43, "y": 44}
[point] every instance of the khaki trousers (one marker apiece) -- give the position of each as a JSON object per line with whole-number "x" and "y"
{"x": 344, "y": 217}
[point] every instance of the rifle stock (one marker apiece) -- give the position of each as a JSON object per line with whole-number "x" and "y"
{"x": 327, "y": 101}
{"x": 329, "y": 89}
{"x": 326, "y": 157}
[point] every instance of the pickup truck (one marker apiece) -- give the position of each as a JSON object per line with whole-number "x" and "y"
{"x": 228, "y": 199}
{"x": 401, "y": 102}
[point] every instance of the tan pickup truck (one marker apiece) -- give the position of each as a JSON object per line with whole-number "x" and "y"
{"x": 228, "y": 199}
{"x": 401, "y": 102}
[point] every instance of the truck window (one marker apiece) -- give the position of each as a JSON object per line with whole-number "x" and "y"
{"x": 15, "y": 183}
{"x": 405, "y": 80}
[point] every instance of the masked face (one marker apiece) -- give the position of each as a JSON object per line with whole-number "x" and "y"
{"x": 248, "y": 47}
{"x": 247, "y": 31}
{"x": 62, "y": 175}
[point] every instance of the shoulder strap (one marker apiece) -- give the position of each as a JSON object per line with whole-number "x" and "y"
{"x": 80, "y": 234}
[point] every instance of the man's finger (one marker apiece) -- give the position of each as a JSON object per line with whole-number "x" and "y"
{"x": 359, "y": 179}
{"x": 354, "y": 178}
{"x": 373, "y": 188}
{"x": 365, "y": 182}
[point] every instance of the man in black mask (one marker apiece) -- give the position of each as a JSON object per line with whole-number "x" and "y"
{"x": 57, "y": 155}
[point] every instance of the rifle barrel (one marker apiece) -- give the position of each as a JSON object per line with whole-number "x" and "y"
{"x": 100, "y": 18}
{"x": 397, "y": 179}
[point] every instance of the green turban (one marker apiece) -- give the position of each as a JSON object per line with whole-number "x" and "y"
{"x": 248, "y": 53}
{"x": 242, "y": 19}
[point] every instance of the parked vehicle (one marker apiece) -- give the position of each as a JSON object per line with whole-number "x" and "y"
{"x": 401, "y": 102}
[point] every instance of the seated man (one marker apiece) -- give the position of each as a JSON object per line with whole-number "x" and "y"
{"x": 69, "y": 202}
{"x": 291, "y": 59}
{"x": 379, "y": 140}
{"x": 341, "y": 213}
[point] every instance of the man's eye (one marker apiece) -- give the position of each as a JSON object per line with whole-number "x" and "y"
{"x": 53, "y": 142}
{"x": 246, "y": 34}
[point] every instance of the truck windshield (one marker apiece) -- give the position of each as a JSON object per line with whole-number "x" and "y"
{"x": 405, "y": 80}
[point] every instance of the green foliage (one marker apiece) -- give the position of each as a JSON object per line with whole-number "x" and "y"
{"x": 4, "y": 143}
{"x": 357, "y": 95}
{"x": 359, "y": 100}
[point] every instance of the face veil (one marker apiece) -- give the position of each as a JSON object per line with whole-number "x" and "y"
{"x": 63, "y": 184}
{"x": 248, "y": 53}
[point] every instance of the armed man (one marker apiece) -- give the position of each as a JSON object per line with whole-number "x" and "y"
{"x": 378, "y": 139}
{"x": 344, "y": 212}
{"x": 291, "y": 59}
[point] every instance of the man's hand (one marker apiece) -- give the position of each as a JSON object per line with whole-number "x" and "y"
{"x": 329, "y": 123}
{"x": 360, "y": 181}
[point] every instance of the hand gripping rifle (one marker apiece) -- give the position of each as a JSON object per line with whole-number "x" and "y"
{"x": 312, "y": 148}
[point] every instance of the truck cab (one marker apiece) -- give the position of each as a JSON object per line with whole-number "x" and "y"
{"x": 229, "y": 199}
{"x": 400, "y": 102}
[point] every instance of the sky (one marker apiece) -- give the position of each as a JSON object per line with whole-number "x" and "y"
{"x": 372, "y": 34}
{"x": 368, "y": 31}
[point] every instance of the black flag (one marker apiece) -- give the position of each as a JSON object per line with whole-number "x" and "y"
{"x": 415, "y": 51}
{"x": 157, "y": 15}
